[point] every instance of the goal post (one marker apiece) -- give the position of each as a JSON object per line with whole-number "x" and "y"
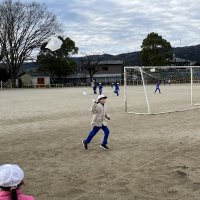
{"x": 179, "y": 89}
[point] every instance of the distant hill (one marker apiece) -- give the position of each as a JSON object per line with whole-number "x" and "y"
{"x": 133, "y": 58}
{"x": 191, "y": 53}
{"x": 188, "y": 53}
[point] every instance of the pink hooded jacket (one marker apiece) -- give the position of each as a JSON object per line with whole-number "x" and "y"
{"x": 5, "y": 195}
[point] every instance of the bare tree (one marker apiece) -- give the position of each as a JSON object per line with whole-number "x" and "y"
{"x": 23, "y": 28}
{"x": 91, "y": 64}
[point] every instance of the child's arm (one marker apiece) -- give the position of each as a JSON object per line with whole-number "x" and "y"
{"x": 107, "y": 116}
{"x": 94, "y": 107}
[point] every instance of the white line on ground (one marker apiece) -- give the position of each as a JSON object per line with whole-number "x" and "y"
{"x": 140, "y": 167}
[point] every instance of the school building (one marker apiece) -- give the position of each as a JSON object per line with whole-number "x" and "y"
{"x": 108, "y": 71}
{"x": 34, "y": 79}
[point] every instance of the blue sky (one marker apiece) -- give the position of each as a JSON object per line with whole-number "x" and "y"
{"x": 119, "y": 26}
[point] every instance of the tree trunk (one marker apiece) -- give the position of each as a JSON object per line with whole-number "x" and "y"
{"x": 91, "y": 75}
{"x": 91, "y": 78}
{"x": 13, "y": 81}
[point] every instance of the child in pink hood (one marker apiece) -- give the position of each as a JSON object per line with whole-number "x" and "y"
{"x": 11, "y": 180}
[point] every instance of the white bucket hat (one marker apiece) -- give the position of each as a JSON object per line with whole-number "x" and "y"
{"x": 101, "y": 96}
{"x": 10, "y": 175}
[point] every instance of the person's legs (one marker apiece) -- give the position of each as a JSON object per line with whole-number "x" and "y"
{"x": 95, "y": 88}
{"x": 92, "y": 134}
{"x": 106, "y": 134}
{"x": 117, "y": 92}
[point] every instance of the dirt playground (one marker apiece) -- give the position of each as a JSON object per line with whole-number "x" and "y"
{"x": 151, "y": 157}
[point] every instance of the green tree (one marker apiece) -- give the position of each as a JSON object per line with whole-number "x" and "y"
{"x": 58, "y": 62}
{"x": 23, "y": 28}
{"x": 155, "y": 50}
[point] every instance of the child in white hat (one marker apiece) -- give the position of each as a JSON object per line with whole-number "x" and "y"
{"x": 98, "y": 122}
{"x": 11, "y": 180}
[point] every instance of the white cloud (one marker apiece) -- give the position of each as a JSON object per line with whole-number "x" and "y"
{"x": 114, "y": 26}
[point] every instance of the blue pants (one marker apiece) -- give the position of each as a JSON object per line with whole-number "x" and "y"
{"x": 94, "y": 132}
{"x": 157, "y": 89}
{"x": 116, "y": 92}
{"x": 100, "y": 91}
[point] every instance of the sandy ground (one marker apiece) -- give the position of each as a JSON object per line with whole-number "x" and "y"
{"x": 151, "y": 157}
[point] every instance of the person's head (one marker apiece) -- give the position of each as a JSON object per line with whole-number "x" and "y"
{"x": 101, "y": 99}
{"x": 99, "y": 83}
{"x": 11, "y": 178}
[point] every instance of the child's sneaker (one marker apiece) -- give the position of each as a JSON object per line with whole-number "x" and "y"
{"x": 84, "y": 144}
{"x": 103, "y": 146}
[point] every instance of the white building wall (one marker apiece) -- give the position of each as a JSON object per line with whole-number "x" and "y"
{"x": 26, "y": 79}
{"x": 47, "y": 80}
{"x": 34, "y": 80}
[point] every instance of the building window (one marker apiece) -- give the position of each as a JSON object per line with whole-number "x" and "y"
{"x": 104, "y": 68}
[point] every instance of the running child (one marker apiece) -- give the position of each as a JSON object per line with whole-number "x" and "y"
{"x": 100, "y": 88}
{"x": 98, "y": 122}
{"x": 94, "y": 86}
{"x": 157, "y": 87}
{"x": 116, "y": 91}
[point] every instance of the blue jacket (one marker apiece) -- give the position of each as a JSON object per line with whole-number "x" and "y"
{"x": 100, "y": 87}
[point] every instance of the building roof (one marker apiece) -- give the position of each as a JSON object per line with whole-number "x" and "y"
{"x": 95, "y": 75}
{"x": 176, "y": 59}
{"x": 37, "y": 74}
{"x": 111, "y": 62}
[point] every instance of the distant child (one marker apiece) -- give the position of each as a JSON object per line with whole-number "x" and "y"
{"x": 157, "y": 87}
{"x": 94, "y": 86}
{"x": 116, "y": 91}
{"x": 100, "y": 88}
{"x": 11, "y": 180}
{"x": 98, "y": 122}
{"x": 169, "y": 81}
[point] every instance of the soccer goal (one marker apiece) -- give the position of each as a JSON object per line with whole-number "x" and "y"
{"x": 158, "y": 90}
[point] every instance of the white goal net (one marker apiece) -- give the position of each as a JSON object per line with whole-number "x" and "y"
{"x": 156, "y": 90}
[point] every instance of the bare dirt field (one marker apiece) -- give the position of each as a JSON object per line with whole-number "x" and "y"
{"x": 151, "y": 157}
